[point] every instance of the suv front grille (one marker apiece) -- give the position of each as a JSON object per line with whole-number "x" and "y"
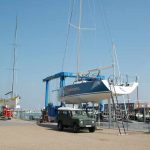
{"x": 87, "y": 122}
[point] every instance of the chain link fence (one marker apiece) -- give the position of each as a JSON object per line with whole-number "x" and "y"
{"x": 27, "y": 115}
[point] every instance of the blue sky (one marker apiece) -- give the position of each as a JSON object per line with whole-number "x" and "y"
{"x": 41, "y": 38}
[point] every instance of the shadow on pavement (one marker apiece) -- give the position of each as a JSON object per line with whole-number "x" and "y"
{"x": 53, "y": 126}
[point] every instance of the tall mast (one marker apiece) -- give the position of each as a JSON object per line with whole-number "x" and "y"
{"x": 78, "y": 45}
{"x": 14, "y": 57}
{"x": 116, "y": 70}
{"x": 114, "y": 64}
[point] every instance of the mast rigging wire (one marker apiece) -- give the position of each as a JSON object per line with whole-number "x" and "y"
{"x": 109, "y": 38}
{"x": 68, "y": 33}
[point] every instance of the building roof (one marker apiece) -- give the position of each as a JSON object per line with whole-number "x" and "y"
{"x": 68, "y": 108}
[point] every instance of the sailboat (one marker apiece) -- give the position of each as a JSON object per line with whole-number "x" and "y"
{"x": 13, "y": 101}
{"x": 89, "y": 88}
{"x": 93, "y": 89}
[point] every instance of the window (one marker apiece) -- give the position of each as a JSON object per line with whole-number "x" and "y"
{"x": 65, "y": 113}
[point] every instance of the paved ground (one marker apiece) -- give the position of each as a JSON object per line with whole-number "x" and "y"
{"x": 24, "y": 135}
{"x": 132, "y": 125}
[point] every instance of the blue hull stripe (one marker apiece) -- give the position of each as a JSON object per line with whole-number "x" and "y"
{"x": 90, "y": 87}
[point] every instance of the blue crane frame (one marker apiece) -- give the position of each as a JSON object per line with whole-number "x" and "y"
{"x": 62, "y": 76}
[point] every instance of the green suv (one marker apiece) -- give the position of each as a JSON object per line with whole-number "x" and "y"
{"x": 74, "y": 118}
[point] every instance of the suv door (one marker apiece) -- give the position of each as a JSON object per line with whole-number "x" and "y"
{"x": 64, "y": 117}
{"x": 68, "y": 118}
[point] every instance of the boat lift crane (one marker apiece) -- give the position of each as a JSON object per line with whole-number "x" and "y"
{"x": 62, "y": 76}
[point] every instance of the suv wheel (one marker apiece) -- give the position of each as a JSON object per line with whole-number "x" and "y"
{"x": 60, "y": 126}
{"x": 92, "y": 129}
{"x": 76, "y": 128}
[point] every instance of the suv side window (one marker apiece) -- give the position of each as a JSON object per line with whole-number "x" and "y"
{"x": 65, "y": 113}
{"x": 69, "y": 113}
{"x": 60, "y": 112}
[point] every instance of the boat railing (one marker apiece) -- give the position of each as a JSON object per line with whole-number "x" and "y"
{"x": 123, "y": 80}
{"x": 93, "y": 73}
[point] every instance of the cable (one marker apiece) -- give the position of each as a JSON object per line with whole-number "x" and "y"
{"x": 68, "y": 33}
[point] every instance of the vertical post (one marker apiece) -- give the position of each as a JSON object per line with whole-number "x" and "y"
{"x": 78, "y": 39}
{"x": 62, "y": 82}
{"x": 109, "y": 109}
{"x": 99, "y": 112}
{"x": 93, "y": 109}
{"x": 144, "y": 114}
{"x": 46, "y": 94}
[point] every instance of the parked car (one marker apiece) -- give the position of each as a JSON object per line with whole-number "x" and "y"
{"x": 76, "y": 119}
